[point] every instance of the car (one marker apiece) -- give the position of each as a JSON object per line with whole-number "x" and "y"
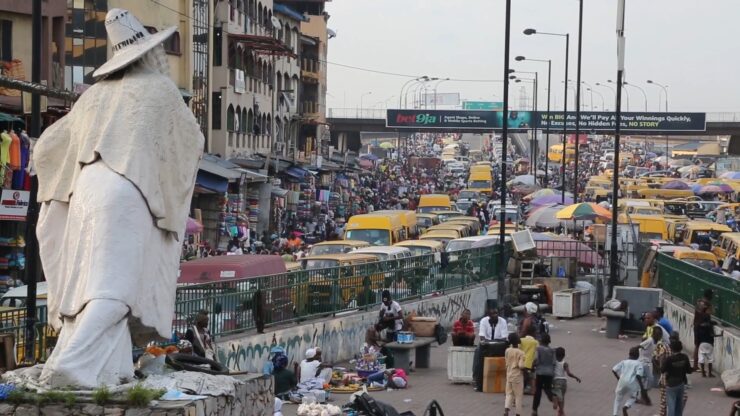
{"x": 467, "y": 194}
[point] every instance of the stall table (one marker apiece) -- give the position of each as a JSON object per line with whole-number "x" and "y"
{"x": 402, "y": 352}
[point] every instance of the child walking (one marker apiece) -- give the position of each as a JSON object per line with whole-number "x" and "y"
{"x": 514, "y": 358}
{"x": 544, "y": 369}
{"x": 560, "y": 382}
{"x": 630, "y": 374}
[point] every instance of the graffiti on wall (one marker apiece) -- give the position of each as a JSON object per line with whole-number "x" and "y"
{"x": 341, "y": 337}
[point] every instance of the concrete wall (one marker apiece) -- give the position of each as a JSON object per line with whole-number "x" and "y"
{"x": 726, "y": 348}
{"x": 340, "y": 338}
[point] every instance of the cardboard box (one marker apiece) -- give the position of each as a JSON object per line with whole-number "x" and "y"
{"x": 423, "y": 326}
{"x": 494, "y": 375}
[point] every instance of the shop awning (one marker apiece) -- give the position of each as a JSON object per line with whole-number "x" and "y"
{"x": 211, "y": 165}
{"x": 265, "y": 45}
{"x": 296, "y": 172}
{"x": 253, "y": 176}
{"x": 210, "y": 182}
{"x": 279, "y": 192}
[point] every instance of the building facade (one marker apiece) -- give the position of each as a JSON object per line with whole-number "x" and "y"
{"x": 15, "y": 46}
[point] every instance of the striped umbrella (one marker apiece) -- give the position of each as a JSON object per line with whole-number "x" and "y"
{"x": 583, "y": 211}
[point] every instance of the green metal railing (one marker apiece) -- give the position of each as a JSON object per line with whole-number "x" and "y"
{"x": 242, "y": 304}
{"x": 239, "y": 305}
{"x": 688, "y": 282}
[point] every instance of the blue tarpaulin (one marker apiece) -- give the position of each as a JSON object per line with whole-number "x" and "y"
{"x": 211, "y": 182}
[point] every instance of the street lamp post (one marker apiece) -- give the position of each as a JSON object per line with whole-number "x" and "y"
{"x": 547, "y": 125}
{"x": 359, "y": 112}
{"x": 435, "y": 90}
{"x": 598, "y": 84}
{"x": 565, "y": 101}
{"x": 504, "y": 153}
{"x": 532, "y": 145}
{"x": 665, "y": 90}
{"x": 578, "y": 102}
{"x": 644, "y": 95}
{"x": 590, "y": 89}
{"x": 601, "y": 96}
{"x": 624, "y": 90}
{"x": 401, "y": 95}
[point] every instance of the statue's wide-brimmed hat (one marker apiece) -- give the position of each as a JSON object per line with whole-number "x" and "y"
{"x": 130, "y": 40}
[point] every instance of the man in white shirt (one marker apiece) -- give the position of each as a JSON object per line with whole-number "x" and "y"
{"x": 493, "y": 327}
{"x": 312, "y": 367}
{"x": 391, "y": 314}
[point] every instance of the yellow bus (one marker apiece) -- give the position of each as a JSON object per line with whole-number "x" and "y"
{"x": 376, "y": 229}
{"x": 407, "y": 219}
{"x": 434, "y": 202}
{"x": 555, "y": 153}
{"x": 481, "y": 179}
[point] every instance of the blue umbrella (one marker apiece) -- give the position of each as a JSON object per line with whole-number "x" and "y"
{"x": 551, "y": 199}
{"x": 675, "y": 185}
{"x": 730, "y": 175}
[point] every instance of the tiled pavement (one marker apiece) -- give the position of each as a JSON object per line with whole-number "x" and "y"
{"x": 590, "y": 356}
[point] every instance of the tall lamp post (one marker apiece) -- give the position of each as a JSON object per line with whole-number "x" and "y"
{"x": 609, "y": 87}
{"x": 601, "y": 96}
{"x": 590, "y": 89}
{"x": 578, "y": 102}
{"x": 531, "y": 31}
{"x": 547, "y": 125}
{"x": 359, "y": 111}
{"x": 642, "y": 90}
{"x": 533, "y": 138}
{"x": 435, "y": 90}
{"x": 624, "y": 90}
{"x": 504, "y": 152}
{"x": 401, "y": 95}
{"x": 665, "y": 90}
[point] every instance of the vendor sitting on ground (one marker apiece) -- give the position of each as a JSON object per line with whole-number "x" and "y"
{"x": 373, "y": 345}
{"x": 390, "y": 316}
{"x": 463, "y": 330}
{"x": 285, "y": 380}
{"x": 394, "y": 378}
{"x": 312, "y": 367}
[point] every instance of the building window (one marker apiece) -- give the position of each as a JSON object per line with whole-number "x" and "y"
{"x": 6, "y": 40}
{"x": 217, "y": 46}
{"x": 171, "y": 44}
{"x": 230, "y": 118}
{"x": 216, "y": 115}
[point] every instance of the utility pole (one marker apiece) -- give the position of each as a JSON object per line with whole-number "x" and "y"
{"x": 578, "y": 102}
{"x": 32, "y": 244}
{"x": 504, "y": 152}
{"x": 613, "y": 255}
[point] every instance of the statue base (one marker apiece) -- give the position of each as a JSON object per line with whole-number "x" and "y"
{"x": 188, "y": 394}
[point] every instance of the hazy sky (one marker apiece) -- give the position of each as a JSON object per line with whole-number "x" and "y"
{"x": 693, "y": 46}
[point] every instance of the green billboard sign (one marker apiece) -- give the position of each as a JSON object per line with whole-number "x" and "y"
{"x": 483, "y": 105}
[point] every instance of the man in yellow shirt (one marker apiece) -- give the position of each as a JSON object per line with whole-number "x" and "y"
{"x": 529, "y": 345}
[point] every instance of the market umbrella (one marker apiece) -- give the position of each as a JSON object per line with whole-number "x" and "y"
{"x": 365, "y": 163}
{"x": 583, "y": 211}
{"x": 661, "y": 159}
{"x": 679, "y": 162}
{"x": 544, "y": 217}
{"x": 711, "y": 189}
{"x": 550, "y": 199}
{"x": 566, "y": 247}
{"x": 193, "y": 226}
{"x": 386, "y": 145}
{"x": 730, "y": 175}
{"x": 541, "y": 192}
{"x": 650, "y": 155}
{"x": 675, "y": 185}
{"x": 689, "y": 168}
{"x": 524, "y": 179}
{"x": 369, "y": 156}
{"x": 524, "y": 188}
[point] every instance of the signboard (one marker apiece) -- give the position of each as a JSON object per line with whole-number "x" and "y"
{"x": 457, "y": 119}
{"x": 239, "y": 84}
{"x": 517, "y": 121}
{"x": 483, "y": 105}
{"x": 441, "y": 119}
{"x": 448, "y": 98}
{"x": 607, "y": 121}
{"x": 14, "y": 205}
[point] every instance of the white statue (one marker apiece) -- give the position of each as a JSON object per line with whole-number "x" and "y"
{"x": 116, "y": 178}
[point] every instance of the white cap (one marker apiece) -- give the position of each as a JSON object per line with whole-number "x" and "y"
{"x": 310, "y": 353}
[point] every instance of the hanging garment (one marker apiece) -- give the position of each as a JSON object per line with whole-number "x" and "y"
{"x": 15, "y": 151}
{"x": 5, "y": 141}
{"x": 19, "y": 176}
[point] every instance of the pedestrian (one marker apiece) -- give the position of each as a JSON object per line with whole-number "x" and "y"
{"x": 544, "y": 369}
{"x": 514, "y": 358}
{"x": 492, "y": 327}
{"x": 703, "y": 308}
{"x": 529, "y": 345}
{"x": 647, "y": 352}
{"x": 705, "y": 338}
{"x": 390, "y": 316}
{"x": 463, "y": 330}
{"x": 663, "y": 321}
{"x": 629, "y": 375}
{"x": 662, "y": 351}
{"x": 676, "y": 367}
{"x": 651, "y": 321}
{"x": 559, "y": 381}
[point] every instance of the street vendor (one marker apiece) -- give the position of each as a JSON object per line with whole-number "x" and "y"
{"x": 312, "y": 367}
{"x": 200, "y": 337}
{"x": 390, "y": 316}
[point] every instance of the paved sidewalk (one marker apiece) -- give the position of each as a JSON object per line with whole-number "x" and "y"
{"x": 590, "y": 355}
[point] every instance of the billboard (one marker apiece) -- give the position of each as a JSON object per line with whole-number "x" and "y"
{"x": 649, "y": 123}
{"x": 447, "y": 98}
{"x": 607, "y": 121}
{"x": 453, "y": 119}
{"x": 483, "y": 105}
